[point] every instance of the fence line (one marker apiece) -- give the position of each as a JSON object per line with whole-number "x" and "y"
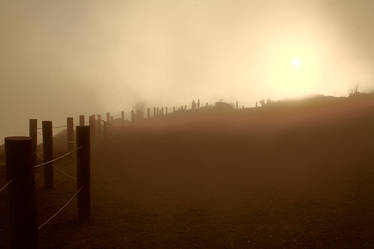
{"x": 61, "y": 209}
{"x": 22, "y": 157}
{"x": 6, "y": 185}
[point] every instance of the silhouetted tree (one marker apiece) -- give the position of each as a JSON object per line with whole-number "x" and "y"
{"x": 193, "y": 105}
{"x": 354, "y": 91}
{"x": 262, "y": 102}
{"x": 139, "y": 110}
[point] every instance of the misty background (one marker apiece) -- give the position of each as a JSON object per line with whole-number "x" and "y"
{"x": 65, "y": 58}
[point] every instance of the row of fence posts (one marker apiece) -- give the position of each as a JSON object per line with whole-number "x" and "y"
{"x": 21, "y": 158}
{"x": 134, "y": 115}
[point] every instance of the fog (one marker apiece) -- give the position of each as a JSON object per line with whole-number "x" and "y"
{"x": 63, "y": 58}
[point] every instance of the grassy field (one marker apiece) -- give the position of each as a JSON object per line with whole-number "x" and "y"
{"x": 289, "y": 175}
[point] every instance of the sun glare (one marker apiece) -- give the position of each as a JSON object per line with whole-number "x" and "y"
{"x": 296, "y": 63}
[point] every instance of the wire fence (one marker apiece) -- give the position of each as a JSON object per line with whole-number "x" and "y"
{"x": 6, "y": 185}
{"x": 62, "y": 172}
{"x": 57, "y": 158}
{"x": 61, "y": 209}
{"x": 66, "y": 204}
{"x": 66, "y": 175}
{"x": 56, "y": 127}
{"x": 18, "y": 189}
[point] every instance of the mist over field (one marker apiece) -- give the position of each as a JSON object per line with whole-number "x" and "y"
{"x": 83, "y": 57}
{"x": 246, "y": 124}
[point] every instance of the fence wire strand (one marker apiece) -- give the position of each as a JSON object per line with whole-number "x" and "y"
{"x": 61, "y": 209}
{"x": 59, "y": 127}
{"x": 57, "y": 158}
{"x": 55, "y": 127}
{"x": 6, "y": 185}
{"x": 65, "y": 174}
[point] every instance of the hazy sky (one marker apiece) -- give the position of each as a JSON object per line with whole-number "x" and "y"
{"x": 62, "y": 58}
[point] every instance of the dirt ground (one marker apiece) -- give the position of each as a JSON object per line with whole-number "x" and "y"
{"x": 297, "y": 178}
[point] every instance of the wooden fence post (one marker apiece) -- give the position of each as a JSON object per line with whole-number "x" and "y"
{"x": 83, "y": 173}
{"x": 81, "y": 120}
{"x": 92, "y": 126}
{"x": 99, "y": 125}
{"x": 48, "y": 152}
{"x": 108, "y": 117}
{"x": 106, "y": 129}
{"x": 166, "y": 111}
{"x": 123, "y": 117}
{"x": 70, "y": 133}
{"x": 22, "y": 207}
{"x": 148, "y": 113}
{"x": 33, "y": 133}
{"x": 132, "y": 116}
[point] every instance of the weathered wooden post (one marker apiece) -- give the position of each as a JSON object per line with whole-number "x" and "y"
{"x": 83, "y": 173}
{"x": 108, "y": 117}
{"x": 154, "y": 111}
{"x": 92, "y": 126}
{"x": 48, "y": 153}
{"x": 70, "y": 133}
{"x": 123, "y": 118}
{"x": 106, "y": 129}
{"x": 173, "y": 109}
{"x": 22, "y": 207}
{"x": 81, "y": 120}
{"x": 33, "y": 133}
{"x": 132, "y": 116}
{"x": 99, "y": 125}
{"x": 166, "y": 111}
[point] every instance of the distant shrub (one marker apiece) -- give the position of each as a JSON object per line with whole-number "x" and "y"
{"x": 354, "y": 91}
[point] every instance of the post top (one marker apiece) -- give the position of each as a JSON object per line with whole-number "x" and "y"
{"x": 83, "y": 127}
{"x": 18, "y": 138}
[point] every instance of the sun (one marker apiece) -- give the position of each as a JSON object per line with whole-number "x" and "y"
{"x": 296, "y": 63}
